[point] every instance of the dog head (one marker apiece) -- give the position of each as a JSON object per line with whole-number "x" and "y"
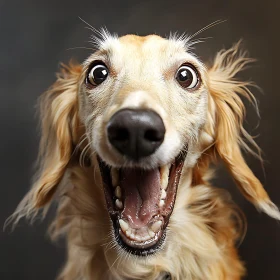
{"x": 149, "y": 109}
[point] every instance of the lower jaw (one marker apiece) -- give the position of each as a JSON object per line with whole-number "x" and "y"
{"x": 154, "y": 244}
{"x": 141, "y": 249}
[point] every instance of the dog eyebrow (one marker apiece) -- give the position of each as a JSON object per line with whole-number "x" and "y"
{"x": 99, "y": 55}
{"x": 174, "y": 65}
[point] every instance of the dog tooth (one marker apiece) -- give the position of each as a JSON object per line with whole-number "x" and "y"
{"x": 115, "y": 176}
{"x": 138, "y": 238}
{"x": 128, "y": 232}
{"x": 156, "y": 226}
{"x": 163, "y": 194}
{"x": 124, "y": 226}
{"x": 118, "y": 192}
{"x": 164, "y": 175}
{"x": 119, "y": 204}
{"x": 133, "y": 234}
{"x": 151, "y": 233}
{"x": 145, "y": 238}
{"x": 161, "y": 203}
{"x": 164, "y": 169}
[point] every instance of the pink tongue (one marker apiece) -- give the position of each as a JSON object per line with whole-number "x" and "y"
{"x": 141, "y": 195}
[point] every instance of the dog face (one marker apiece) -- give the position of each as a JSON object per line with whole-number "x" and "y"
{"x": 149, "y": 82}
{"x": 133, "y": 122}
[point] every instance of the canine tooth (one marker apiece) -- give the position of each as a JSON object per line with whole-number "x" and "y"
{"x": 151, "y": 233}
{"x": 164, "y": 175}
{"x": 118, "y": 192}
{"x": 156, "y": 226}
{"x": 161, "y": 203}
{"x": 124, "y": 226}
{"x": 115, "y": 176}
{"x": 119, "y": 204}
{"x": 163, "y": 194}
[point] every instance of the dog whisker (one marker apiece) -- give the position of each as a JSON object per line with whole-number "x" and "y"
{"x": 207, "y": 27}
{"x": 84, "y": 154}
{"x": 76, "y": 48}
{"x": 81, "y": 141}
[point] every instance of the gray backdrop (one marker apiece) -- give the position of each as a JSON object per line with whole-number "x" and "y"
{"x": 34, "y": 38}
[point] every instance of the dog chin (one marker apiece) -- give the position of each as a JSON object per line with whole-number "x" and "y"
{"x": 140, "y": 202}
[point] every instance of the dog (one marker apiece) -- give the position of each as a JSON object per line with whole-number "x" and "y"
{"x": 127, "y": 140}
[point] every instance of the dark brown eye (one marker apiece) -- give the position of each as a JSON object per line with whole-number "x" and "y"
{"x": 187, "y": 76}
{"x": 97, "y": 74}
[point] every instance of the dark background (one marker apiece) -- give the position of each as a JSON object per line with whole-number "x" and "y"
{"x": 35, "y": 36}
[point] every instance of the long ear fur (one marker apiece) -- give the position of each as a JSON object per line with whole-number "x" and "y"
{"x": 228, "y": 113}
{"x": 59, "y": 124}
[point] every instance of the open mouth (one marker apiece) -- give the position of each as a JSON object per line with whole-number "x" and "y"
{"x": 140, "y": 203}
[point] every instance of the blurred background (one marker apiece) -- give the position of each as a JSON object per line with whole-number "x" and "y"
{"x": 36, "y": 35}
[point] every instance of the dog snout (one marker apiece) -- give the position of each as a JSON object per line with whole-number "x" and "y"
{"x": 136, "y": 133}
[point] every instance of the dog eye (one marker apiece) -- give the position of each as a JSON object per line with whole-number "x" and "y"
{"x": 97, "y": 74}
{"x": 187, "y": 76}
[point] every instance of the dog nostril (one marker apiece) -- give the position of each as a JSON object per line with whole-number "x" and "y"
{"x": 119, "y": 134}
{"x": 153, "y": 135}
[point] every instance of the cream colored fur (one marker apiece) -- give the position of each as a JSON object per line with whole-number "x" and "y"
{"x": 205, "y": 225}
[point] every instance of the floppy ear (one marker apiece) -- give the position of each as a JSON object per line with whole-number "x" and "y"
{"x": 228, "y": 113}
{"x": 59, "y": 124}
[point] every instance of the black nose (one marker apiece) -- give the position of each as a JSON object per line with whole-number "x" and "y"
{"x": 136, "y": 133}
